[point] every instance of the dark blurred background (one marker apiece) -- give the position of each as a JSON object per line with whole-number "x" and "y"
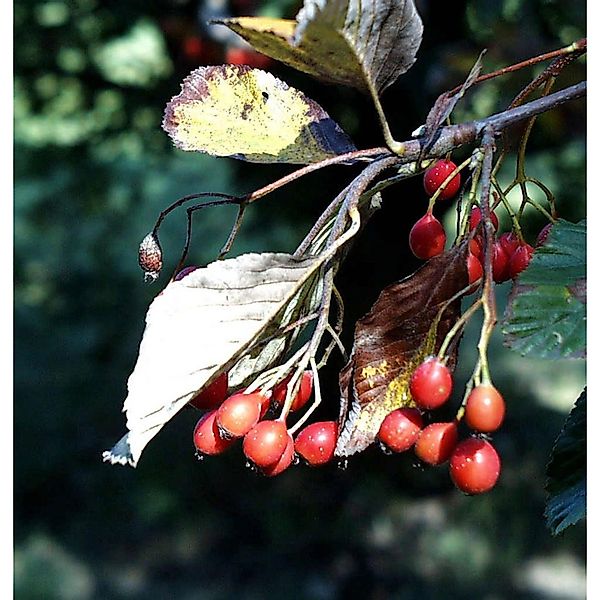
{"x": 92, "y": 171}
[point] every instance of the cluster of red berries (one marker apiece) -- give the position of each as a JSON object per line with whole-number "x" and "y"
{"x": 474, "y": 462}
{"x": 266, "y": 443}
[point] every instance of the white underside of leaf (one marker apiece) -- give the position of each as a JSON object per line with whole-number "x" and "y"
{"x": 200, "y": 326}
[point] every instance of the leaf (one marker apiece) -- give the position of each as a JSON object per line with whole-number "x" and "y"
{"x": 245, "y": 113}
{"x": 199, "y": 327}
{"x": 366, "y": 45}
{"x": 404, "y": 326}
{"x": 445, "y": 104}
{"x": 566, "y": 471}
{"x": 546, "y": 312}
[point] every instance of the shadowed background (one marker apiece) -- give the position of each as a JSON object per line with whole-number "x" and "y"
{"x": 92, "y": 171}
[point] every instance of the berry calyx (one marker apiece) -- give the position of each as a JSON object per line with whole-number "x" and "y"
{"x": 265, "y": 442}
{"x": 238, "y": 414}
{"x": 519, "y": 260}
{"x": 485, "y": 408}
{"x": 400, "y": 429}
{"x": 316, "y": 442}
{"x": 477, "y": 215}
{"x": 431, "y": 384}
{"x": 474, "y": 466}
{"x": 436, "y": 443}
{"x": 207, "y": 438}
{"x": 301, "y": 397}
{"x": 213, "y": 395}
{"x": 427, "y": 237}
{"x": 284, "y": 461}
{"x": 499, "y": 263}
{"x": 436, "y": 175}
{"x": 474, "y": 268}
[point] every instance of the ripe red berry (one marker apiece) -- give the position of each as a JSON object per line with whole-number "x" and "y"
{"x": 207, "y": 438}
{"x": 427, "y": 237}
{"x": 519, "y": 260}
{"x": 476, "y": 248}
{"x": 238, "y": 414}
{"x": 474, "y": 268}
{"x": 436, "y": 442}
{"x": 431, "y": 384}
{"x": 303, "y": 394}
{"x": 316, "y": 442}
{"x": 400, "y": 429}
{"x": 247, "y": 56}
{"x": 193, "y": 48}
{"x": 509, "y": 241}
{"x": 284, "y": 461}
{"x": 436, "y": 175}
{"x": 265, "y": 442}
{"x": 485, "y": 408}
{"x": 499, "y": 263}
{"x": 543, "y": 235}
{"x": 474, "y": 466}
{"x": 476, "y": 216}
{"x": 213, "y": 395}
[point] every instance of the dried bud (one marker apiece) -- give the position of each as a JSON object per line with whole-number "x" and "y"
{"x": 150, "y": 257}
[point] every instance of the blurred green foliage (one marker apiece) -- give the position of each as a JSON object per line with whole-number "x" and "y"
{"x": 92, "y": 171}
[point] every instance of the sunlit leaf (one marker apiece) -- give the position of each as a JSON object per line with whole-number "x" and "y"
{"x": 245, "y": 113}
{"x": 202, "y": 325}
{"x": 405, "y": 325}
{"x": 546, "y": 313}
{"x": 361, "y": 44}
{"x": 566, "y": 471}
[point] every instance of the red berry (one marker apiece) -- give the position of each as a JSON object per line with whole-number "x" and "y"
{"x": 316, "y": 442}
{"x": 499, "y": 263}
{"x": 476, "y": 248}
{"x": 193, "y": 48}
{"x": 474, "y": 466}
{"x": 265, "y": 442}
{"x": 400, "y": 429}
{"x": 436, "y": 442}
{"x": 427, "y": 237}
{"x": 239, "y": 414}
{"x": 207, "y": 438}
{"x": 436, "y": 175}
{"x": 474, "y": 268}
{"x": 476, "y": 216}
{"x": 485, "y": 408}
{"x": 213, "y": 395}
{"x": 284, "y": 462}
{"x": 509, "y": 241}
{"x": 243, "y": 56}
{"x": 303, "y": 394}
{"x": 543, "y": 235}
{"x": 431, "y": 384}
{"x": 519, "y": 260}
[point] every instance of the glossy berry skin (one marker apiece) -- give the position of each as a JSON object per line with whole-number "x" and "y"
{"x": 476, "y": 216}
{"x": 213, "y": 395}
{"x": 484, "y": 409}
{"x": 284, "y": 461}
{"x": 207, "y": 438}
{"x": 509, "y": 242}
{"x": 303, "y": 394}
{"x": 427, "y": 237}
{"x": 400, "y": 429}
{"x": 474, "y": 268}
{"x": 474, "y": 466}
{"x": 499, "y": 263}
{"x": 316, "y": 442}
{"x": 436, "y": 443}
{"x": 265, "y": 442}
{"x": 543, "y": 234}
{"x": 476, "y": 248}
{"x": 436, "y": 175}
{"x": 519, "y": 260}
{"x": 238, "y": 414}
{"x": 431, "y": 384}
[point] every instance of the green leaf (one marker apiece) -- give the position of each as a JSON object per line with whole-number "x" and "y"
{"x": 546, "y": 312}
{"x": 244, "y": 113}
{"x": 366, "y": 45}
{"x": 566, "y": 472}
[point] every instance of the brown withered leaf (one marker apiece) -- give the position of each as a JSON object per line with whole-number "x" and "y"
{"x": 407, "y": 323}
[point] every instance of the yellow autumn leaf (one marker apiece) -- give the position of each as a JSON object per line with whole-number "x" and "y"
{"x": 245, "y": 113}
